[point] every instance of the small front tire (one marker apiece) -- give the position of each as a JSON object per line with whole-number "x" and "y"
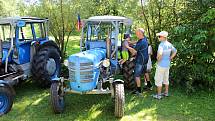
{"x": 119, "y": 100}
{"x": 57, "y": 97}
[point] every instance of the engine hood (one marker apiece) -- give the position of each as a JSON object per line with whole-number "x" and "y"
{"x": 84, "y": 69}
{"x": 93, "y": 55}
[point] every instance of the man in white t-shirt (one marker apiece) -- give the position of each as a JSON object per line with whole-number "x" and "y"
{"x": 166, "y": 52}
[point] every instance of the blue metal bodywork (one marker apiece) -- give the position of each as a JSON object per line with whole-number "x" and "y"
{"x": 100, "y": 39}
{"x": 84, "y": 69}
{"x": 23, "y": 47}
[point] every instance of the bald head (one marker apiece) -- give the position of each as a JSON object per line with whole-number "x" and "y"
{"x": 140, "y": 33}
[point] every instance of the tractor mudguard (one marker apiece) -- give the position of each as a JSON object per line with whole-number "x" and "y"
{"x": 56, "y": 79}
{"x": 118, "y": 81}
{"x": 6, "y": 84}
{"x": 49, "y": 43}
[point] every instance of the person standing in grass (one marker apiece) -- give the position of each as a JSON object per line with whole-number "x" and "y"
{"x": 165, "y": 54}
{"x": 141, "y": 52}
{"x": 148, "y": 85}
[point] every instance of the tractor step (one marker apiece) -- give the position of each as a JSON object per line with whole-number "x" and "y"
{"x": 13, "y": 79}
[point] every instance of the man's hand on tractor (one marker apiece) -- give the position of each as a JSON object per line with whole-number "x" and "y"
{"x": 133, "y": 51}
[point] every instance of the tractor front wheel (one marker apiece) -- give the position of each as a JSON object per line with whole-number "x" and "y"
{"x": 6, "y": 100}
{"x": 57, "y": 97}
{"x": 46, "y": 65}
{"x": 119, "y": 100}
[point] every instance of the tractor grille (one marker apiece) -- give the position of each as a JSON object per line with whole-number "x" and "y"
{"x": 82, "y": 72}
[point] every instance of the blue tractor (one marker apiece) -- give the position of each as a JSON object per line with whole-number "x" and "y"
{"x": 96, "y": 64}
{"x": 25, "y": 51}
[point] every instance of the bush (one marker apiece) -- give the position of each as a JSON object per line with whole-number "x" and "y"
{"x": 194, "y": 66}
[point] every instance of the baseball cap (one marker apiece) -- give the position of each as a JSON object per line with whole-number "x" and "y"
{"x": 127, "y": 36}
{"x": 162, "y": 33}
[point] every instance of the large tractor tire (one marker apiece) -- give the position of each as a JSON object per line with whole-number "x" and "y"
{"x": 57, "y": 98}
{"x": 128, "y": 74}
{"x": 6, "y": 100}
{"x": 46, "y": 65}
{"x": 119, "y": 100}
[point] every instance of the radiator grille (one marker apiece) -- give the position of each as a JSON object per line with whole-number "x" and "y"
{"x": 84, "y": 73}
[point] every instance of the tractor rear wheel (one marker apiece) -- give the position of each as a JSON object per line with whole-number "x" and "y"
{"x": 119, "y": 100}
{"x": 57, "y": 97}
{"x": 128, "y": 74}
{"x": 6, "y": 100}
{"x": 46, "y": 65}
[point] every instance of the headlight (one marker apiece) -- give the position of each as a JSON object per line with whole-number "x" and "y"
{"x": 106, "y": 63}
{"x": 66, "y": 62}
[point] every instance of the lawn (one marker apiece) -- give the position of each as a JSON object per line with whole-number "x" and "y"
{"x": 33, "y": 104}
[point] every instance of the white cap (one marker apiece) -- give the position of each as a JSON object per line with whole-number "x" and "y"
{"x": 141, "y": 30}
{"x": 162, "y": 33}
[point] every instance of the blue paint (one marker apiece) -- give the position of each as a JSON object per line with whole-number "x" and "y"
{"x": 4, "y": 102}
{"x": 5, "y": 52}
{"x": 93, "y": 56}
{"x": 23, "y": 47}
{"x": 95, "y": 44}
{"x": 20, "y": 24}
{"x": 33, "y": 31}
{"x": 24, "y": 51}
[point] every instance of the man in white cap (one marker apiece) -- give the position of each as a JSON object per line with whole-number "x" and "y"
{"x": 166, "y": 52}
{"x": 141, "y": 52}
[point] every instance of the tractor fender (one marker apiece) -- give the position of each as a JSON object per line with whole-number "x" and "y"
{"x": 6, "y": 84}
{"x": 48, "y": 43}
{"x": 118, "y": 81}
{"x": 56, "y": 79}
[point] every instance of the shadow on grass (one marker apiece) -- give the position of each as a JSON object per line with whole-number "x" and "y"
{"x": 33, "y": 104}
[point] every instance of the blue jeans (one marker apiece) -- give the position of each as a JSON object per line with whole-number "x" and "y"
{"x": 139, "y": 69}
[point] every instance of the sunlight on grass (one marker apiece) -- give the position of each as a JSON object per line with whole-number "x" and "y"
{"x": 94, "y": 111}
{"x": 36, "y": 102}
{"x": 27, "y": 101}
{"x": 22, "y": 105}
{"x": 143, "y": 115}
{"x": 131, "y": 105}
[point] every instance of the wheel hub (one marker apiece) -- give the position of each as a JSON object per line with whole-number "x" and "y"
{"x": 51, "y": 66}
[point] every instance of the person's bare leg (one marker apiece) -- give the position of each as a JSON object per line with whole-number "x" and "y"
{"x": 123, "y": 61}
{"x": 120, "y": 61}
{"x": 145, "y": 80}
{"x": 147, "y": 76}
{"x": 166, "y": 88}
{"x": 159, "y": 89}
{"x": 138, "y": 84}
{"x": 138, "y": 81}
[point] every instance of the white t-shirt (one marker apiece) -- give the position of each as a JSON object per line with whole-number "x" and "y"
{"x": 149, "y": 64}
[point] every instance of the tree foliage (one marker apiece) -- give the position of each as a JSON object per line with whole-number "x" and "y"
{"x": 190, "y": 23}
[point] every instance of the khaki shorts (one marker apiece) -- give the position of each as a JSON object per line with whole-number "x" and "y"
{"x": 161, "y": 76}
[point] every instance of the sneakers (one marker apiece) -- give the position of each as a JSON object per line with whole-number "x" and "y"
{"x": 156, "y": 96}
{"x": 165, "y": 94}
{"x": 136, "y": 92}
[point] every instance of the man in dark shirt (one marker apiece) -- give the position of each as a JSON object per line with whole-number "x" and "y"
{"x": 141, "y": 52}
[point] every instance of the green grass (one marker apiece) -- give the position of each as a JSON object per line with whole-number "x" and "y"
{"x": 33, "y": 104}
